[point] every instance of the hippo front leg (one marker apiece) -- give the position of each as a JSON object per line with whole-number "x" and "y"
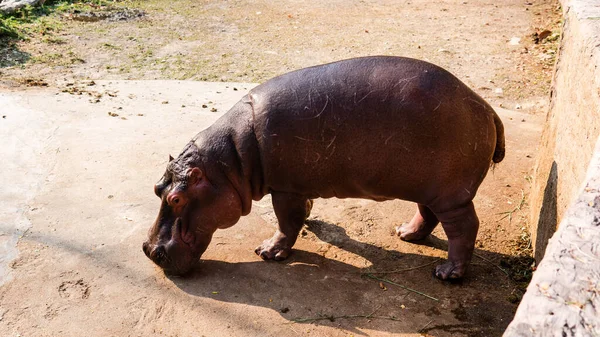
{"x": 291, "y": 211}
{"x": 461, "y": 226}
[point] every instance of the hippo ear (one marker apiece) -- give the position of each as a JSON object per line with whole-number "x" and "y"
{"x": 194, "y": 176}
{"x": 170, "y": 158}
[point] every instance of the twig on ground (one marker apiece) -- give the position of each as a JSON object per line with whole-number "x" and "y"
{"x": 492, "y": 263}
{"x": 508, "y": 214}
{"x": 424, "y": 326}
{"x": 401, "y": 286}
{"x": 400, "y": 270}
{"x": 333, "y": 318}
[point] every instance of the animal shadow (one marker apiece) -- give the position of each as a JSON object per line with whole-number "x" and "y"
{"x": 312, "y": 287}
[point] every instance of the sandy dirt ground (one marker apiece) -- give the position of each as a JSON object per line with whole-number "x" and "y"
{"x": 82, "y": 157}
{"x": 80, "y": 268}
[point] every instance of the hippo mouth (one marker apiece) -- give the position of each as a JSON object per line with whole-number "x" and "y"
{"x": 182, "y": 233}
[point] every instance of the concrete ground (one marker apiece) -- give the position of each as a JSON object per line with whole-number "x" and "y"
{"x": 77, "y": 194}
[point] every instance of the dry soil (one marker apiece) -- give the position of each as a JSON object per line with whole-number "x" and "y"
{"x": 80, "y": 198}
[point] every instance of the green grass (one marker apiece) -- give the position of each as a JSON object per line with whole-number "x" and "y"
{"x": 34, "y": 21}
{"x": 9, "y": 26}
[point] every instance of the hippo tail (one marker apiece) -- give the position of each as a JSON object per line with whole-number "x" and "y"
{"x": 499, "y": 151}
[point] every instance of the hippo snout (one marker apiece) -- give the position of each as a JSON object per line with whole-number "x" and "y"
{"x": 145, "y": 248}
{"x": 170, "y": 258}
{"x": 155, "y": 253}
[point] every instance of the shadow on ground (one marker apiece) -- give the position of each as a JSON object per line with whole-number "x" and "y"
{"x": 310, "y": 288}
{"x": 547, "y": 222}
{"x": 10, "y": 54}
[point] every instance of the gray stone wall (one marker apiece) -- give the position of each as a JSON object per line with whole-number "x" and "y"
{"x": 573, "y": 122}
{"x": 563, "y": 298}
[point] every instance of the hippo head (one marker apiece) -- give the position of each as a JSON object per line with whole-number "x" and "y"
{"x": 195, "y": 202}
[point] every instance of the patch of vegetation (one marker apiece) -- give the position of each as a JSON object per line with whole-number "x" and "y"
{"x": 520, "y": 266}
{"x": 45, "y": 22}
{"x": 9, "y": 26}
{"x": 41, "y": 20}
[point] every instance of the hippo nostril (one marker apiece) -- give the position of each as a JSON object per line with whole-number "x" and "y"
{"x": 159, "y": 254}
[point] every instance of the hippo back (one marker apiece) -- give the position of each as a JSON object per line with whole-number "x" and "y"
{"x": 374, "y": 127}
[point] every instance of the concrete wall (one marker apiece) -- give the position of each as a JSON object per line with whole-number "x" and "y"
{"x": 573, "y": 121}
{"x": 563, "y": 298}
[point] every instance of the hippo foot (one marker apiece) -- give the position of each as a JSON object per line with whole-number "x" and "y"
{"x": 272, "y": 249}
{"x": 450, "y": 271}
{"x": 411, "y": 233}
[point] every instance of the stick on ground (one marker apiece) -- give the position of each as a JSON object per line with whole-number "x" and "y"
{"x": 401, "y": 270}
{"x": 401, "y": 286}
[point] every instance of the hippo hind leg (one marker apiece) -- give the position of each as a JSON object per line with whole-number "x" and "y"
{"x": 461, "y": 226}
{"x": 421, "y": 225}
{"x": 291, "y": 211}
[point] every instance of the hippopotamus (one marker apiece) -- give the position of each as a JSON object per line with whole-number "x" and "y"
{"x": 379, "y": 128}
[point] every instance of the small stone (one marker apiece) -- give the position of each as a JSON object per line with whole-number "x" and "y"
{"x": 204, "y": 106}
{"x": 543, "y": 34}
{"x": 514, "y": 41}
{"x": 213, "y": 110}
{"x": 518, "y": 106}
{"x": 10, "y": 6}
{"x": 499, "y": 91}
{"x": 165, "y": 102}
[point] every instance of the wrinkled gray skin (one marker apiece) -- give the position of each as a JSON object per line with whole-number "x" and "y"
{"x": 379, "y": 128}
